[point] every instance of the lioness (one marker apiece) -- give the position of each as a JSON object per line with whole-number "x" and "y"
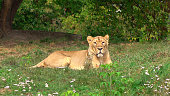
{"x": 97, "y": 54}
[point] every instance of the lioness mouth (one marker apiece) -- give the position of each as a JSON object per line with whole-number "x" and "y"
{"x": 99, "y": 54}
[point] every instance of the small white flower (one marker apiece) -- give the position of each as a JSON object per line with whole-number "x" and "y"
{"x": 20, "y": 78}
{"x": 56, "y": 93}
{"x": 27, "y": 81}
{"x": 15, "y": 84}
{"x": 72, "y": 80}
{"x": 6, "y": 87}
{"x": 167, "y": 79}
{"x": 74, "y": 90}
{"x": 3, "y": 79}
{"x": 166, "y": 87}
{"x": 122, "y": 76}
{"x": 24, "y": 90}
{"x": 146, "y": 72}
{"x": 158, "y": 67}
{"x": 31, "y": 81}
{"x": 50, "y": 95}
{"x": 9, "y": 69}
{"x": 22, "y": 83}
{"x": 146, "y": 84}
{"x": 155, "y": 90}
{"x": 151, "y": 85}
{"x": 156, "y": 75}
{"x": 142, "y": 67}
{"x": 157, "y": 79}
{"x": 46, "y": 85}
{"x": 29, "y": 87}
{"x": 39, "y": 94}
{"x": 118, "y": 10}
{"x": 71, "y": 86}
{"x": 160, "y": 87}
{"x": 15, "y": 90}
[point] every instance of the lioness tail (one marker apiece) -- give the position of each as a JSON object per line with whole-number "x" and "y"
{"x": 41, "y": 64}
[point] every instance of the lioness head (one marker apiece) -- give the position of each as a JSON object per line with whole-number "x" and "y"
{"x": 98, "y": 45}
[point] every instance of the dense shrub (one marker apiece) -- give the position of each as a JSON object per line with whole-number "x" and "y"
{"x": 138, "y": 20}
{"x": 0, "y": 4}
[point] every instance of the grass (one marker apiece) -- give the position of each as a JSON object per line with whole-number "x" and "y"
{"x": 142, "y": 69}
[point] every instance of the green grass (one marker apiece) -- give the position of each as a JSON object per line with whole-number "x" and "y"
{"x": 129, "y": 78}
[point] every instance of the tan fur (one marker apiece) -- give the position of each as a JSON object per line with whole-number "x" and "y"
{"x": 97, "y": 53}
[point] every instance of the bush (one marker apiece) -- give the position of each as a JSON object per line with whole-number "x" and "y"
{"x": 128, "y": 20}
{"x": 133, "y": 20}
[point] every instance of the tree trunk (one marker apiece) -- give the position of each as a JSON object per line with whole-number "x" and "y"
{"x": 7, "y": 13}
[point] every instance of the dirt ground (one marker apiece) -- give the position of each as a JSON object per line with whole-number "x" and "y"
{"x": 10, "y": 43}
{"x": 26, "y": 35}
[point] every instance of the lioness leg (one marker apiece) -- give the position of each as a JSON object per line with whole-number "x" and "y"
{"x": 107, "y": 59}
{"x": 54, "y": 61}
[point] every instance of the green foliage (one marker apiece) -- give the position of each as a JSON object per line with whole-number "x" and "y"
{"x": 34, "y": 15}
{"x": 112, "y": 82}
{"x": 0, "y": 4}
{"x": 126, "y": 20}
{"x": 26, "y": 60}
{"x": 69, "y": 93}
{"x": 132, "y": 20}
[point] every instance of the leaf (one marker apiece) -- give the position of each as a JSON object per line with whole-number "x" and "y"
{"x": 69, "y": 92}
{"x": 103, "y": 83}
{"x": 118, "y": 73}
{"x": 122, "y": 88}
{"x": 131, "y": 79}
{"x": 117, "y": 93}
{"x": 112, "y": 73}
{"x": 104, "y": 74}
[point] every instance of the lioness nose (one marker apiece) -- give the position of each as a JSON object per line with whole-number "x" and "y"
{"x": 99, "y": 48}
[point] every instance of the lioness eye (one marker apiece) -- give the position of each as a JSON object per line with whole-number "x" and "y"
{"x": 102, "y": 42}
{"x": 94, "y": 42}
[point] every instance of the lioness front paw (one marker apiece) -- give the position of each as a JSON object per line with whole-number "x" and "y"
{"x": 96, "y": 66}
{"x": 77, "y": 68}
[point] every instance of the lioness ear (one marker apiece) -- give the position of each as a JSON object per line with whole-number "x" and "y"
{"x": 106, "y": 37}
{"x": 89, "y": 39}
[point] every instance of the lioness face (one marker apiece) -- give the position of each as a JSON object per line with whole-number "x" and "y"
{"x": 98, "y": 45}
